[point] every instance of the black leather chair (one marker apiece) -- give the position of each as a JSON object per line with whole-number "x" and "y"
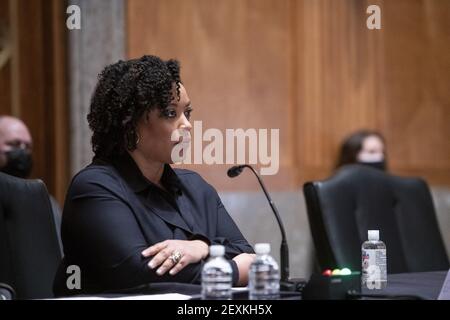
{"x": 29, "y": 247}
{"x": 358, "y": 198}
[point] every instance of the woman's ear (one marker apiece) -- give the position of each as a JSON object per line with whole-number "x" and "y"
{"x": 146, "y": 116}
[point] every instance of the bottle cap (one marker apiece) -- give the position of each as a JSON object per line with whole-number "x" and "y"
{"x": 373, "y": 235}
{"x": 262, "y": 248}
{"x": 216, "y": 250}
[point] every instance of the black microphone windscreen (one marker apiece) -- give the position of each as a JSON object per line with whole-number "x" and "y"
{"x": 234, "y": 171}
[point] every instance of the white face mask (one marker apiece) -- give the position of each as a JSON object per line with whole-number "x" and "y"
{"x": 368, "y": 157}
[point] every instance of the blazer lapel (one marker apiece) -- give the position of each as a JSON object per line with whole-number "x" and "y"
{"x": 167, "y": 213}
{"x": 186, "y": 212}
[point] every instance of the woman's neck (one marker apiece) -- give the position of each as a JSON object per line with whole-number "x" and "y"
{"x": 152, "y": 170}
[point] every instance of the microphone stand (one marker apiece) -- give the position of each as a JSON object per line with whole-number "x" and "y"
{"x": 286, "y": 284}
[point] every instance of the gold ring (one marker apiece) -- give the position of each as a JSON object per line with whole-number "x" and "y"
{"x": 175, "y": 257}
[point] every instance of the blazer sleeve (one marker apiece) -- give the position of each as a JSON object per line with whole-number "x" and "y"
{"x": 100, "y": 230}
{"x": 228, "y": 234}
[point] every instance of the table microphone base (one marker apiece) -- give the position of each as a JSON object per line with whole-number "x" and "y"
{"x": 292, "y": 285}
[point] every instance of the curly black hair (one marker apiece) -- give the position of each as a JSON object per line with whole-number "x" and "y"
{"x": 126, "y": 90}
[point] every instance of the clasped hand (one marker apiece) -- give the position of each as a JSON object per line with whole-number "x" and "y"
{"x": 174, "y": 255}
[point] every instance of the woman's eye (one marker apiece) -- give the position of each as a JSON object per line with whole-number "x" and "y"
{"x": 187, "y": 113}
{"x": 170, "y": 113}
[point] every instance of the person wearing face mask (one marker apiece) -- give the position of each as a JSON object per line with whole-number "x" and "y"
{"x": 15, "y": 147}
{"x": 365, "y": 147}
{"x": 16, "y": 155}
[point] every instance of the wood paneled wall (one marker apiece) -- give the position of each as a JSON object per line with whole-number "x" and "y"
{"x": 237, "y": 66}
{"x": 33, "y": 84}
{"x": 5, "y": 58}
{"x": 395, "y": 80}
{"x": 312, "y": 69}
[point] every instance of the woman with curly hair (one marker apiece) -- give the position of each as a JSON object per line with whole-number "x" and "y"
{"x": 129, "y": 218}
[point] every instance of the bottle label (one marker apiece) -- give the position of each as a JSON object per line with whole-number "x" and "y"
{"x": 374, "y": 272}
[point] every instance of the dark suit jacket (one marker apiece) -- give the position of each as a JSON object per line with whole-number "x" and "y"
{"x": 112, "y": 213}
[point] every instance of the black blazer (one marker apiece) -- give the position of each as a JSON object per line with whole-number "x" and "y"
{"x": 112, "y": 213}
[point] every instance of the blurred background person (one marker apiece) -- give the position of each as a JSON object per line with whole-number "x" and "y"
{"x": 365, "y": 147}
{"x": 16, "y": 145}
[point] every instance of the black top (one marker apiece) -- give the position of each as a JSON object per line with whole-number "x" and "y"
{"x": 112, "y": 213}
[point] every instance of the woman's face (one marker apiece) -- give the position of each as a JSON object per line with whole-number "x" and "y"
{"x": 160, "y": 133}
{"x": 372, "y": 150}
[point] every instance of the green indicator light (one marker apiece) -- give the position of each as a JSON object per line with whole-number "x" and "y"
{"x": 346, "y": 272}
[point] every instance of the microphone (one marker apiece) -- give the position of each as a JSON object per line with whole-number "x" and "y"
{"x": 235, "y": 171}
{"x": 285, "y": 283}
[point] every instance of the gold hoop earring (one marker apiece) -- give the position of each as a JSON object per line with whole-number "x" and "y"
{"x": 138, "y": 139}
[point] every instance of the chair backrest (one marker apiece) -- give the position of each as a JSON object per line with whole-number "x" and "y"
{"x": 359, "y": 198}
{"x": 29, "y": 247}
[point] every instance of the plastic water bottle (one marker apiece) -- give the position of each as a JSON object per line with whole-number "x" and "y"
{"x": 217, "y": 276}
{"x": 374, "y": 266}
{"x": 264, "y": 275}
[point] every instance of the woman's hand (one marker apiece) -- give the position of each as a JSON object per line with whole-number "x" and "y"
{"x": 165, "y": 255}
{"x": 243, "y": 261}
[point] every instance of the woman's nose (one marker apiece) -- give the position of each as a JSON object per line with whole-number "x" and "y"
{"x": 186, "y": 124}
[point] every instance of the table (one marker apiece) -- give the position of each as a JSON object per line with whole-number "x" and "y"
{"x": 426, "y": 285}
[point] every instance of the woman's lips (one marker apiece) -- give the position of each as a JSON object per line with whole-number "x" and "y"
{"x": 184, "y": 140}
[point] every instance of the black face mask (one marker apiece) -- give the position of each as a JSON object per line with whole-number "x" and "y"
{"x": 18, "y": 163}
{"x": 380, "y": 165}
